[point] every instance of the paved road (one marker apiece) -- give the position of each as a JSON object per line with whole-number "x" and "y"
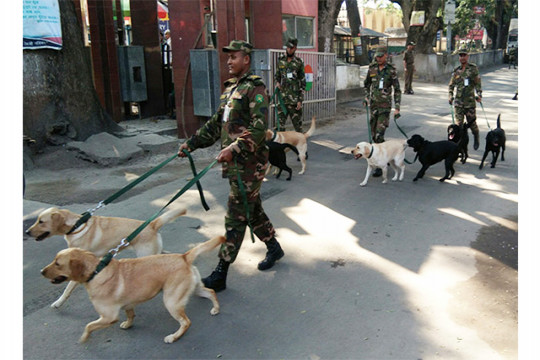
{"x": 398, "y": 271}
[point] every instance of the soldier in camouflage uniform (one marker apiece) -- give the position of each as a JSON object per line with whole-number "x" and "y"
{"x": 291, "y": 81}
{"x": 381, "y": 78}
{"x": 241, "y": 123}
{"x": 465, "y": 80}
{"x": 408, "y": 66}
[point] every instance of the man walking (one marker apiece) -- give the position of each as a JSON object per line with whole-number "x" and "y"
{"x": 465, "y": 80}
{"x": 240, "y": 122}
{"x": 381, "y": 78}
{"x": 291, "y": 81}
{"x": 408, "y": 66}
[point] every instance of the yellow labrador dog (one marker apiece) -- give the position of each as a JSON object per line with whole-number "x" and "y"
{"x": 294, "y": 138}
{"x": 99, "y": 234}
{"x": 127, "y": 282}
{"x": 392, "y": 152}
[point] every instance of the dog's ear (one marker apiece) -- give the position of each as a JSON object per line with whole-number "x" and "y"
{"x": 78, "y": 269}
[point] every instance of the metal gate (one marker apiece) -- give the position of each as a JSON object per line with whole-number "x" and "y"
{"x": 320, "y": 100}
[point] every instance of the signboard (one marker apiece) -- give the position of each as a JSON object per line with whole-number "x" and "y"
{"x": 418, "y": 18}
{"x": 479, "y": 10}
{"x": 42, "y": 28}
{"x": 309, "y": 77}
{"x": 450, "y": 12}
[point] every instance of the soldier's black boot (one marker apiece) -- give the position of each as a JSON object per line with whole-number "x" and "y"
{"x": 476, "y": 141}
{"x": 273, "y": 254}
{"x": 217, "y": 280}
{"x": 377, "y": 172}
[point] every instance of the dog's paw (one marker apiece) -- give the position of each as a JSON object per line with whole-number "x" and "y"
{"x": 363, "y": 183}
{"x": 84, "y": 337}
{"x": 492, "y": 166}
{"x": 126, "y": 324}
{"x": 395, "y": 178}
{"x": 169, "y": 339}
{"x": 385, "y": 181}
{"x": 415, "y": 179}
{"x": 214, "y": 311}
{"x": 57, "y": 304}
{"x": 301, "y": 172}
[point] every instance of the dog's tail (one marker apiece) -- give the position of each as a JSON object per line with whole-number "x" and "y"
{"x": 167, "y": 218}
{"x": 192, "y": 254}
{"x": 293, "y": 148}
{"x": 311, "y": 130}
{"x": 499, "y": 121}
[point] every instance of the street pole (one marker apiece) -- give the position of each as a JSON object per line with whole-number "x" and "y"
{"x": 449, "y": 38}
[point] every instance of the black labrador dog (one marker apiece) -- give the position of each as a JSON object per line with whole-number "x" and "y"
{"x": 278, "y": 158}
{"x": 460, "y": 136}
{"x": 495, "y": 141}
{"x": 430, "y": 153}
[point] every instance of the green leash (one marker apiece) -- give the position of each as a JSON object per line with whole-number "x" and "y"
{"x": 125, "y": 242}
{"x": 487, "y": 122}
{"x": 88, "y": 214}
{"x": 368, "y": 124}
{"x": 452, "y": 111}
{"x": 404, "y": 134}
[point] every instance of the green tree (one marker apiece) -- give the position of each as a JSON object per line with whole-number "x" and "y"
{"x": 496, "y": 18}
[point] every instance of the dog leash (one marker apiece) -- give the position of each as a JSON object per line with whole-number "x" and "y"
{"x": 487, "y": 122}
{"x": 368, "y": 123}
{"x": 452, "y": 111}
{"x": 106, "y": 259}
{"x": 404, "y": 134}
{"x": 88, "y": 214}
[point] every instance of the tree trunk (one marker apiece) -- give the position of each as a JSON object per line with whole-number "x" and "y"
{"x": 59, "y": 100}
{"x": 328, "y": 12}
{"x": 355, "y": 23}
{"x": 422, "y": 35}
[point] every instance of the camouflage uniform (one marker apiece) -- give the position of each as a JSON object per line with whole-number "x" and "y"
{"x": 241, "y": 121}
{"x": 465, "y": 82}
{"x": 378, "y": 85}
{"x": 291, "y": 76}
{"x": 408, "y": 58}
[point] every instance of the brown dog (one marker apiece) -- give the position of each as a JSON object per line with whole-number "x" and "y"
{"x": 99, "y": 234}
{"x": 127, "y": 282}
{"x": 294, "y": 138}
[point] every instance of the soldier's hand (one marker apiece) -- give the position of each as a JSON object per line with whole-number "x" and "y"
{"x": 225, "y": 155}
{"x": 182, "y": 147}
{"x": 365, "y": 102}
{"x": 278, "y": 85}
{"x": 397, "y": 115}
{"x": 479, "y": 99}
{"x": 298, "y": 105}
{"x": 450, "y": 101}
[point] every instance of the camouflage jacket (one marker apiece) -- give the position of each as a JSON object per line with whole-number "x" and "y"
{"x": 378, "y": 86}
{"x": 240, "y": 121}
{"x": 291, "y": 76}
{"x": 465, "y": 81}
{"x": 408, "y": 57}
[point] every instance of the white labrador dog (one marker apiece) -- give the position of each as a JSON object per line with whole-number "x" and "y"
{"x": 392, "y": 152}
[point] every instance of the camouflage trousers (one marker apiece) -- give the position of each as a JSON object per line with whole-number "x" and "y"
{"x": 296, "y": 117}
{"x": 470, "y": 114}
{"x": 379, "y": 121}
{"x": 236, "y": 220}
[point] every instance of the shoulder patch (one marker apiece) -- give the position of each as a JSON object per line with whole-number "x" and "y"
{"x": 259, "y": 98}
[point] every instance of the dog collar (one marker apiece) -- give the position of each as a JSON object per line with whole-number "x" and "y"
{"x": 274, "y": 136}
{"x": 371, "y": 152}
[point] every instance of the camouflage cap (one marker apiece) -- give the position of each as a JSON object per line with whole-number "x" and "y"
{"x": 463, "y": 50}
{"x": 380, "y": 51}
{"x": 292, "y": 42}
{"x": 412, "y": 43}
{"x": 239, "y": 45}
